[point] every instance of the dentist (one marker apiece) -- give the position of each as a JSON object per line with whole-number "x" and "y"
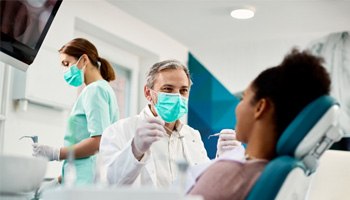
{"x": 144, "y": 149}
{"x": 95, "y": 109}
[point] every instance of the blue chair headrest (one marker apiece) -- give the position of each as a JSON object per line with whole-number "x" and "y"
{"x": 302, "y": 124}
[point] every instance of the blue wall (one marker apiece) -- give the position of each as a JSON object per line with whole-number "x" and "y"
{"x": 211, "y": 105}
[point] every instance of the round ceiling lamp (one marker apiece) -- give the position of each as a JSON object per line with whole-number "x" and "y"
{"x": 242, "y": 13}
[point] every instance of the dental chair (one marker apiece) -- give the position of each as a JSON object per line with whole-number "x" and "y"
{"x": 298, "y": 149}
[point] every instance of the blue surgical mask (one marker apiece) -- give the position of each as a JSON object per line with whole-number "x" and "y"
{"x": 74, "y": 76}
{"x": 171, "y": 106}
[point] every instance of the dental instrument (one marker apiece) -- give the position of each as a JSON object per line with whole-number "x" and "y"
{"x": 34, "y": 138}
{"x": 213, "y": 135}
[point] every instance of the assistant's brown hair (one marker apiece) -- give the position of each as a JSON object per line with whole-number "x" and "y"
{"x": 79, "y": 46}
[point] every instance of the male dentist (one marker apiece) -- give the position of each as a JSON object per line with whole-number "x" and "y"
{"x": 143, "y": 149}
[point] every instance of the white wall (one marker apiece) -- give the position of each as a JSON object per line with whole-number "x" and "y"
{"x": 248, "y": 59}
{"x": 332, "y": 178}
{"x": 129, "y": 34}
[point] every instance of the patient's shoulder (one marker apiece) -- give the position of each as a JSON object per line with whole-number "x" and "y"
{"x": 233, "y": 167}
{"x": 228, "y": 179}
{"x": 255, "y": 165}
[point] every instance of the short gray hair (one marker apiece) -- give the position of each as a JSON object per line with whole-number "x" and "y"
{"x": 163, "y": 65}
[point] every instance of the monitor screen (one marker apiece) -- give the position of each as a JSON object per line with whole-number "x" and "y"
{"x": 24, "y": 25}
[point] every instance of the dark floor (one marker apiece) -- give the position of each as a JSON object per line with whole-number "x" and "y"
{"x": 343, "y": 144}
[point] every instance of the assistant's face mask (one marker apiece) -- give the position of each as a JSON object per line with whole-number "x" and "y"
{"x": 171, "y": 106}
{"x": 74, "y": 76}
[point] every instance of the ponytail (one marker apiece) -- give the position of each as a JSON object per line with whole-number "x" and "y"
{"x": 106, "y": 69}
{"x": 80, "y": 46}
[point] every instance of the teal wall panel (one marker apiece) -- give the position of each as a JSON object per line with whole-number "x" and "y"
{"x": 211, "y": 105}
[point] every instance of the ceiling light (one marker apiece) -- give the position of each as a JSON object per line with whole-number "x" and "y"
{"x": 243, "y": 13}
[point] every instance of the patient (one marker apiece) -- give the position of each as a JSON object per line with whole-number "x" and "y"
{"x": 269, "y": 104}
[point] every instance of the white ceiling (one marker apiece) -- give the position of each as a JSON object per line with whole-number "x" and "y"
{"x": 199, "y": 22}
{"x": 208, "y": 30}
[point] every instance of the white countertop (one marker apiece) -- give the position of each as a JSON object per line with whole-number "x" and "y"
{"x": 129, "y": 193}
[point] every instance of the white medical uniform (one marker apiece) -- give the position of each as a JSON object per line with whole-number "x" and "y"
{"x": 158, "y": 165}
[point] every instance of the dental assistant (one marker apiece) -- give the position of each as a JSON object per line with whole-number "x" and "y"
{"x": 144, "y": 149}
{"x": 95, "y": 109}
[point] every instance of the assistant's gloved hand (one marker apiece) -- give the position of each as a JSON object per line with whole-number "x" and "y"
{"x": 147, "y": 132}
{"x": 227, "y": 141}
{"x": 51, "y": 153}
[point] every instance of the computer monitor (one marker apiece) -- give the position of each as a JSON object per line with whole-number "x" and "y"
{"x": 24, "y": 25}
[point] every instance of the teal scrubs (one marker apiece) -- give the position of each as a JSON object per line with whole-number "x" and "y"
{"x": 95, "y": 109}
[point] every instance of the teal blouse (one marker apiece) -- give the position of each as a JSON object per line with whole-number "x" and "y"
{"x": 95, "y": 109}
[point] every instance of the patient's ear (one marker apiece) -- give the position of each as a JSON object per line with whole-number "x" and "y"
{"x": 262, "y": 107}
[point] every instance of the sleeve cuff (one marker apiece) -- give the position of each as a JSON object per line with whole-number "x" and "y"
{"x": 144, "y": 159}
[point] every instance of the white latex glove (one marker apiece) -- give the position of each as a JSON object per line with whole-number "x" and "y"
{"x": 147, "y": 132}
{"x": 227, "y": 141}
{"x": 45, "y": 151}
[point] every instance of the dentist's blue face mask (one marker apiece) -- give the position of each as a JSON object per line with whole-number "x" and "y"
{"x": 171, "y": 106}
{"x": 74, "y": 76}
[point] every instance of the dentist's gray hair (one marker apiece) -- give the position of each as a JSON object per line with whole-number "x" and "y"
{"x": 163, "y": 65}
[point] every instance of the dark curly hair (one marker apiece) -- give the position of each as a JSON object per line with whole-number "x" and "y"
{"x": 291, "y": 85}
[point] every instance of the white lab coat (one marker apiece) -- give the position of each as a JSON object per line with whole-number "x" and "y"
{"x": 121, "y": 165}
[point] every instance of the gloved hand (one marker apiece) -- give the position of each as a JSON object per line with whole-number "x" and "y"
{"x": 48, "y": 152}
{"x": 147, "y": 132}
{"x": 227, "y": 141}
